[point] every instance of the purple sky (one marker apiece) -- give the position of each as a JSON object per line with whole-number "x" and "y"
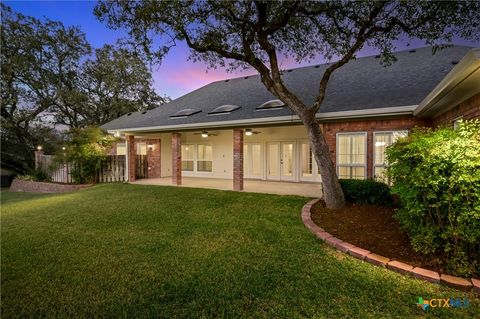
{"x": 176, "y": 76}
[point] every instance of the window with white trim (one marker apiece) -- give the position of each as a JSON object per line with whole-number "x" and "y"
{"x": 381, "y": 140}
{"x": 456, "y": 122}
{"x": 188, "y": 157}
{"x": 121, "y": 148}
{"x": 352, "y": 155}
{"x": 141, "y": 148}
{"x": 204, "y": 158}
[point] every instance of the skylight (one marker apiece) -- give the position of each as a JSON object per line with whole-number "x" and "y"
{"x": 271, "y": 105}
{"x": 224, "y": 109}
{"x": 184, "y": 113}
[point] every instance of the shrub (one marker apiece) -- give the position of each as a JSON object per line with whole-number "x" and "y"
{"x": 366, "y": 192}
{"x": 436, "y": 174}
{"x": 37, "y": 175}
{"x": 86, "y": 149}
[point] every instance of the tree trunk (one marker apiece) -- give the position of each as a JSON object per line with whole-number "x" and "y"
{"x": 332, "y": 191}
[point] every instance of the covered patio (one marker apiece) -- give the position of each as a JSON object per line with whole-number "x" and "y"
{"x": 254, "y": 186}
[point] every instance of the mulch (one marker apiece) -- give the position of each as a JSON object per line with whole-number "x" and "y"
{"x": 373, "y": 228}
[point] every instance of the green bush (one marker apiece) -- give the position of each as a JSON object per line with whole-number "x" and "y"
{"x": 366, "y": 192}
{"x": 86, "y": 149}
{"x": 37, "y": 175}
{"x": 436, "y": 174}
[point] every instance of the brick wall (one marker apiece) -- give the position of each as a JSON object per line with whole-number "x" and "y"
{"x": 330, "y": 130}
{"x": 468, "y": 110}
{"x": 176, "y": 159}
{"x": 238, "y": 159}
{"x": 154, "y": 157}
{"x": 131, "y": 158}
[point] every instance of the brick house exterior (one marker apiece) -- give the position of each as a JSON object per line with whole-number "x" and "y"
{"x": 235, "y": 129}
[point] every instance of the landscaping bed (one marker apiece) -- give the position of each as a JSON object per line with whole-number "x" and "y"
{"x": 373, "y": 228}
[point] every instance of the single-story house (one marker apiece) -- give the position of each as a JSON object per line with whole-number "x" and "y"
{"x": 234, "y": 129}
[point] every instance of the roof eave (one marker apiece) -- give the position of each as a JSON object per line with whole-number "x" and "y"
{"x": 457, "y": 86}
{"x": 287, "y": 119}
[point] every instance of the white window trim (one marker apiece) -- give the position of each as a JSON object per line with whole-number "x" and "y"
{"x": 384, "y": 165}
{"x": 455, "y": 122}
{"x": 351, "y": 165}
{"x": 195, "y": 160}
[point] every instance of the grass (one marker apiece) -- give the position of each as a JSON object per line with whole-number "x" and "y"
{"x": 148, "y": 251}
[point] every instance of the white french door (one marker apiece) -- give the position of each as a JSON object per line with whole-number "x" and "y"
{"x": 281, "y": 161}
{"x": 252, "y": 160}
{"x": 308, "y": 165}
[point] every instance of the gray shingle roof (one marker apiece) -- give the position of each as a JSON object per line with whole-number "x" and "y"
{"x": 361, "y": 84}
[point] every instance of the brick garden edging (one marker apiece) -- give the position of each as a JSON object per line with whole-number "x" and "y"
{"x": 381, "y": 261}
{"x": 19, "y": 185}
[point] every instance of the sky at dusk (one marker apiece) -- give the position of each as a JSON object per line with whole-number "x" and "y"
{"x": 175, "y": 76}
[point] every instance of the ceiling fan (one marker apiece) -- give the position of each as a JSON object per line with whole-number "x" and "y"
{"x": 249, "y": 132}
{"x": 205, "y": 134}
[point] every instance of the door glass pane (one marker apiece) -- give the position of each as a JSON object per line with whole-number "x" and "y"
{"x": 306, "y": 156}
{"x": 187, "y": 157}
{"x": 273, "y": 160}
{"x": 256, "y": 157}
{"x": 287, "y": 150}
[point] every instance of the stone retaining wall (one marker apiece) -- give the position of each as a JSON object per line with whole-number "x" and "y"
{"x": 19, "y": 185}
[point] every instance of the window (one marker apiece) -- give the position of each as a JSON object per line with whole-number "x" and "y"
{"x": 141, "y": 148}
{"x": 352, "y": 155}
{"x": 204, "y": 158}
{"x": 184, "y": 113}
{"x": 121, "y": 149}
{"x": 456, "y": 122}
{"x": 381, "y": 141}
{"x": 188, "y": 152}
{"x": 224, "y": 109}
{"x": 271, "y": 105}
{"x": 307, "y": 161}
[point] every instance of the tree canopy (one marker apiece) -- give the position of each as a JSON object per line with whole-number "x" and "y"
{"x": 49, "y": 77}
{"x": 258, "y": 34}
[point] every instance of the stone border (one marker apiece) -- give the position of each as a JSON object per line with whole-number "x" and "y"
{"x": 397, "y": 266}
{"x": 19, "y": 185}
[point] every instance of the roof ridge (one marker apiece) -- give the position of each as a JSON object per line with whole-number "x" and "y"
{"x": 333, "y": 61}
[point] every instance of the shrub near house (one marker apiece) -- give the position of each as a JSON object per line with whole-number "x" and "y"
{"x": 436, "y": 174}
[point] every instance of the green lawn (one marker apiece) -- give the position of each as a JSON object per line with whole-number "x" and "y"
{"x": 148, "y": 251}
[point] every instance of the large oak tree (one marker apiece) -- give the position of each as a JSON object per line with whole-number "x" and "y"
{"x": 50, "y": 78}
{"x": 259, "y": 33}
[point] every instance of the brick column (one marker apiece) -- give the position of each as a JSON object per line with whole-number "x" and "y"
{"x": 154, "y": 158}
{"x": 131, "y": 158}
{"x": 370, "y": 154}
{"x": 176, "y": 159}
{"x": 38, "y": 158}
{"x": 238, "y": 159}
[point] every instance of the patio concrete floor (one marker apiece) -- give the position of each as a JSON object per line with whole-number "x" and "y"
{"x": 254, "y": 186}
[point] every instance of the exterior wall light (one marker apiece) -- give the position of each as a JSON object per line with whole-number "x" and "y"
{"x": 39, "y": 147}
{"x": 150, "y": 147}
